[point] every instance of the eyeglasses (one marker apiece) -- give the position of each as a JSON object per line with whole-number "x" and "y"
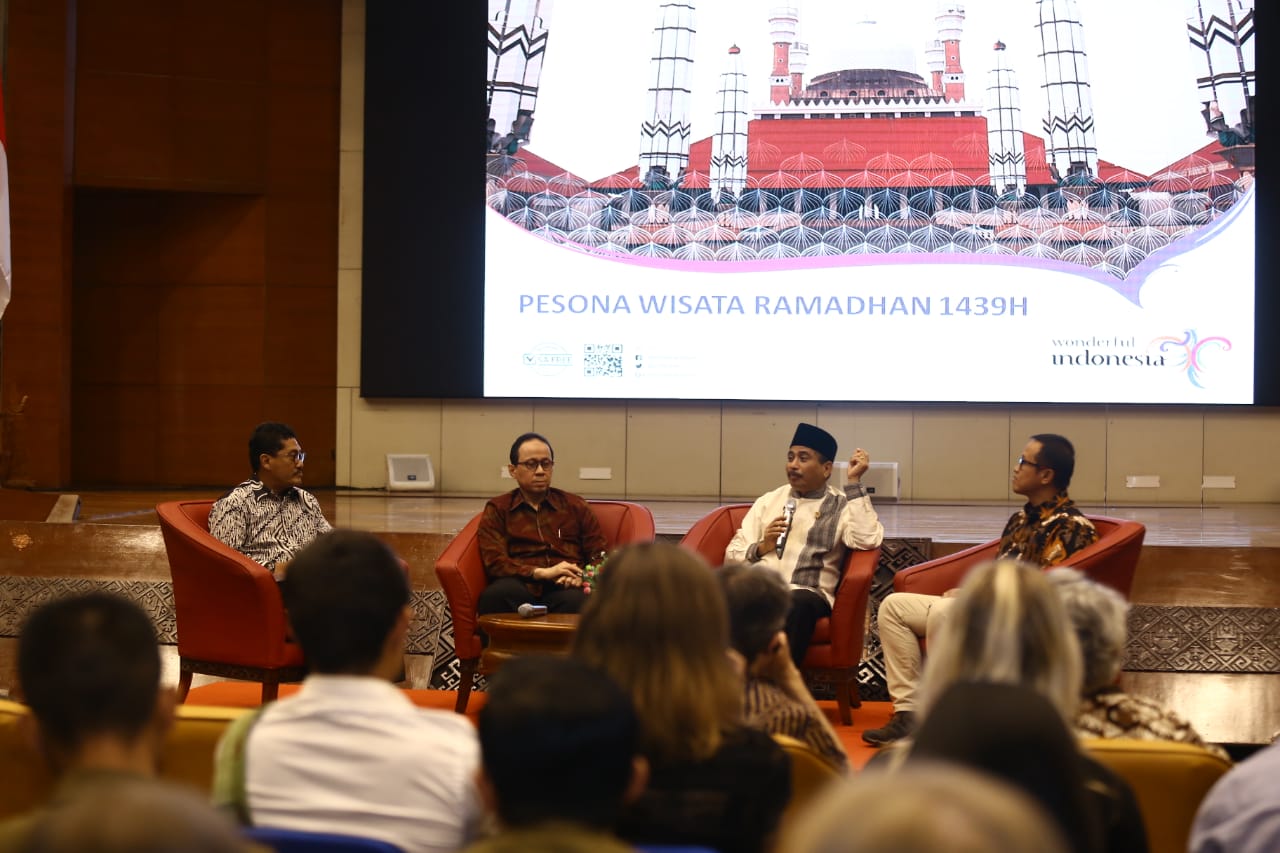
{"x": 294, "y": 456}
{"x": 535, "y": 464}
{"x": 1022, "y": 460}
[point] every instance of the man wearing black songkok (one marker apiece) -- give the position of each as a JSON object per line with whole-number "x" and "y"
{"x": 824, "y": 524}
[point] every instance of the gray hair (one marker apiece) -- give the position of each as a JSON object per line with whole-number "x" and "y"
{"x": 1099, "y": 615}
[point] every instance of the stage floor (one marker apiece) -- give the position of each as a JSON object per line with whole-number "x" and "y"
{"x": 1234, "y": 525}
{"x": 1226, "y": 555}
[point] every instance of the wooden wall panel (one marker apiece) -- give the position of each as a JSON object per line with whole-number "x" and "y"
{"x": 130, "y": 36}
{"x": 206, "y": 248}
{"x": 40, "y": 66}
{"x": 306, "y": 43}
{"x": 149, "y": 238}
{"x": 300, "y": 327}
{"x": 116, "y": 335}
{"x": 226, "y": 40}
{"x": 310, "y": 412}
{"x": 122, "y": 128}
{"x": 118, "y": 428}
{"x": 205, "y": 435}
{"x": 211, "y": 335}
{"x": 301, "y": 235}
{"x": 218, "y": 130}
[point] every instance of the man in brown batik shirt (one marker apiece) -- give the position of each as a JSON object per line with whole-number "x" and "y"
{"x": 536, "y": 539}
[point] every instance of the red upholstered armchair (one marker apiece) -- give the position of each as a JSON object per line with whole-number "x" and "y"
{"x": 1111, "y": 560}
{"x": 836, "y": 650}
{"x": 462, "y": 577}
{"x": 230, "y": 616}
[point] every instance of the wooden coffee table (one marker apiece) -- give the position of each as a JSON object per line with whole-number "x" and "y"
{"x": 511, "y": 635}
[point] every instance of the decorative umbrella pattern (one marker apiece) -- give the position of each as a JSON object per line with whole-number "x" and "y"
{"x": 839, "y": 201}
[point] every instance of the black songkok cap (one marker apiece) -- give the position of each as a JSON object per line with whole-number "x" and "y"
{"x": 808, "y": 435}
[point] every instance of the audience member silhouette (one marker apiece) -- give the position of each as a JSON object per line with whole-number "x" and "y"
{"x": 349, "y": 754}
{"x": 560, "y": 744}
{"x": 1241, "y": 813}
{"x": 1099, "y": 615}
{"x": 924, "y": 808}
{"x": 1008, "y": 664}
{"x": 657, "y": 624}
{"x": 776, "y": 699}
{"x": 89, "y": 669}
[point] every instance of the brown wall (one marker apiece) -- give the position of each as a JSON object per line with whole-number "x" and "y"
{"x": 197, "y": 232}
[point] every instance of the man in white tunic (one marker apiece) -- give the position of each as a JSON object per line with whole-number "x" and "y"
{"x": 820, "y": 524}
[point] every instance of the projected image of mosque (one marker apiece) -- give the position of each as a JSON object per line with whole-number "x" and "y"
{"x": 873, "y": 158}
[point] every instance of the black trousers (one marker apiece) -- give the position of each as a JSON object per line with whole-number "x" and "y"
{"x": 807, "y": 607}
{"x": 505, "y": 595}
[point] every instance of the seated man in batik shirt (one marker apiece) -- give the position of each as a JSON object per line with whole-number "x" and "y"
{"x": 536, "y": 540}
{"x": 268, "y": 518}
{"x": 1047, "y": 530}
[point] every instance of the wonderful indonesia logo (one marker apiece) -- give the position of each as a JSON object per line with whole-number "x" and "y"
{"x": 1188, "y": 353}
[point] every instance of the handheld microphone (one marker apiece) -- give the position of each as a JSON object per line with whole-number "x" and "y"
{"x": 528, "y": 610}
{"x": 788, "y": 512}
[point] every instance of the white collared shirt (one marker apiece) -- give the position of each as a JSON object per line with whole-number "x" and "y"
{"x": 352, "y": 755}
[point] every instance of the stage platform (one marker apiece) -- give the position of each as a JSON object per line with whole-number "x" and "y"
{"x": 1224, "y": 556}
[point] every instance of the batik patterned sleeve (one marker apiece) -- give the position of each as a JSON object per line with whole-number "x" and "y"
{"x": 494, "y": 544}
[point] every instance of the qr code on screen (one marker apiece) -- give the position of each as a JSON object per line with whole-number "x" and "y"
{"x": 602, "y": 360}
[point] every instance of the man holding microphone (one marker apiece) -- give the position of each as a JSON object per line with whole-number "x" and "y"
{"x": 803, "y": 530}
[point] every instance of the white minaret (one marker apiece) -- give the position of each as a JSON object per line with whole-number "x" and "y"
{"x": 517, "y": 44}
{"x": 664, "y": 131}
{"x": 799, "y": 63}
{"x": 729, "y": 139}
{"x": 1068, "y": 126}
{"x": 935, "y": 59}
{"x": 783, "y": 20}
{"x": 1221, "y": 35}
{"x": 1006, "y": 158}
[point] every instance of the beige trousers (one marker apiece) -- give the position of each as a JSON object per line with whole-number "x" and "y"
{"x": 905, "y": 617}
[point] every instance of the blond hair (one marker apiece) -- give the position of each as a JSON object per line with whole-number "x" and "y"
{"x": 924, "y": 808}
{"x": 1007, "y": 626}
{"x": 657, "y": 623}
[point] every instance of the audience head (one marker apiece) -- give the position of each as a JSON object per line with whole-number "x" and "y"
{"x": 924, "y": 808}
{"x": 1014, "y": 733}
{"x": 347, "y": 598}
{"x": 1007, "y": 626}
{"x": 136, "y": 816}
{"x": 560, "y": 742}
{"x": 1099, "y": 615}
{"x": 268, "y": 439}
{"x": 656, "y": 623}
{"x": 89, "y": 668}
{"x": 758, "y": 603}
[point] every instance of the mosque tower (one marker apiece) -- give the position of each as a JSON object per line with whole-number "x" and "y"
{"x": 729, "y": 138}
{"x": 934, "y": 57}
{"x": 664, "y": 132}
{"x": 1068, "y": 127}
{"x": 517, "y": 44}
{"x": 950, "y": 21}
{"x": 1221, "y": 35}
{"x": 782, "y": 28}
{"x": 799, "y": 62}
{"x": 1005, "y": 151}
